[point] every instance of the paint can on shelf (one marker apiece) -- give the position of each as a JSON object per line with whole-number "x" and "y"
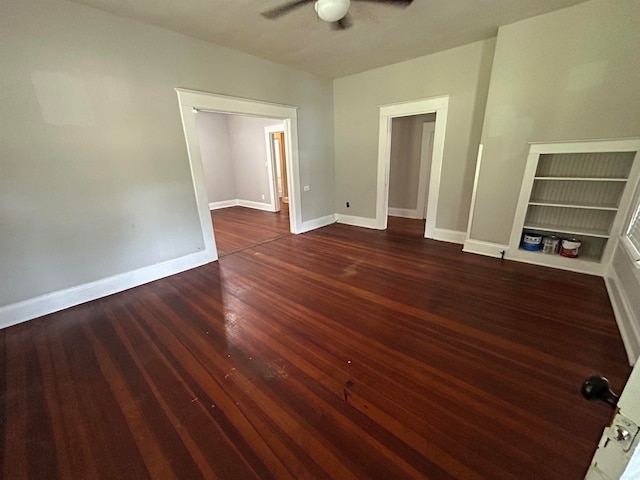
{"x": 551, "y": 244}
{"x": 570, "y": 248}
{"x": 531, "y": 241}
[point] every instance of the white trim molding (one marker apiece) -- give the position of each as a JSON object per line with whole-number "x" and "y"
{"x": 474, "y": 192}
{"x": 318, "y": 223}
{"x": 191, "y": 100}
{"x": 237, "y": 202}
{"x": 481, "y": 247}
{"x": 62, "y": 299}
{"x": 405, "y": 213}
{"x": 451, "y": 236}
{"x": 439, "y": 106}
{"x": 272, "y": 168}
{"x": 628, "y": 323}
{"x": 359, "y": 221}
{"x": 223, "y": 204}
{"x": 598, "y": 264}
{"x": 267, "y": 207}
{"x": 441, "y": 234}
{"x": 305, "y": 227}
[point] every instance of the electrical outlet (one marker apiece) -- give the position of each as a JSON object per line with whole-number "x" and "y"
{"x": 263, "y": 196}
{"x": 306, "y": 188}
{"x": 347, "y": 204}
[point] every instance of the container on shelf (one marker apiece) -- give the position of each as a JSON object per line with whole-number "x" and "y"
{"x": 531, "y": 241}
{"x": 551, "y": 244}
{"x": 570, "y": 248}
{"x": 575, "y": 190}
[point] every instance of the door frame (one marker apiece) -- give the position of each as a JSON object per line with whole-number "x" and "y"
{"x": 426, "y": 154}
{"x": 439, "y": 106}
{"x": 272, "y": 167}
{"x": 191, "y": 101}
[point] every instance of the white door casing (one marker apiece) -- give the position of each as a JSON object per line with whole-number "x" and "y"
{"x": 617, "y": 458}
{"x": 437, "y": 105}
{"x": 272, "y": 165}
{"x": 190, "y": 100}
{"x": 428, "y": 132}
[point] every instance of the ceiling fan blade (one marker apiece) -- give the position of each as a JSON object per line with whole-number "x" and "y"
{"x": 286, "y": 8}
{"x": 397, "y": 3}
{"x": 342, "y": 24}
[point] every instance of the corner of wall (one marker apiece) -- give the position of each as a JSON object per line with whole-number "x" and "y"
{"x": 358, "y": 221}
{"x": 53, "y": 302}
{"x": 625, "y": 317}
{"x": 451, "y": 236}
{"x": 317, "y": 223}
{"x": 489, "y": 249}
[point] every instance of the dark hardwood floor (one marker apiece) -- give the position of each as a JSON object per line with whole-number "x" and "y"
{"x": 340, "y": 353}
{"x": 405, "y": 227}
{"x": 237, "y": 228}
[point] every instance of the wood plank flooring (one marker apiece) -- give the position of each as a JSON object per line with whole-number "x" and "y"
{"x": 341, "y": 353}
{"x": 237, "y": 228}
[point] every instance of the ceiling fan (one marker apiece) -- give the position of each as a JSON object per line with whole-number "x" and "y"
{"x": 335, "y": 12}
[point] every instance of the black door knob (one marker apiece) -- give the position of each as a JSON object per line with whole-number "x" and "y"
{"x": 597, "y": 388}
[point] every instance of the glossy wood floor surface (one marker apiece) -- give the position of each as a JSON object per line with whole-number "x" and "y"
{"x": 237, "y": 228}
{"x": 341, "y": 353}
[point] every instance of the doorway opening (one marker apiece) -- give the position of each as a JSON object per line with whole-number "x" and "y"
{"x": 240, "y": 177}
{"x": 437, "y": 106}
{"x": 190, "y": 103}
{"x": 277, "y": 153}
{"x": 409, "y": 171}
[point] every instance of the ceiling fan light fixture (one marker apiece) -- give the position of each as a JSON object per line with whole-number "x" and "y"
{"x": 332, "y": 10}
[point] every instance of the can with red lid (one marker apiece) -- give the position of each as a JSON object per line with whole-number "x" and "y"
{"x": 570, "y": 248}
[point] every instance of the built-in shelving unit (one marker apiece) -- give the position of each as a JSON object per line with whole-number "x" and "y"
{"x": 576, "y": 191}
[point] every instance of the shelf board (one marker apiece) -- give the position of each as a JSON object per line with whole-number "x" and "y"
{"x": 583, "y": 179}
{"x": 587, "y": 232}
{"x": 557, "y": 256}
{"x": 583, "y": 264}
{"x": 584, "y": 206}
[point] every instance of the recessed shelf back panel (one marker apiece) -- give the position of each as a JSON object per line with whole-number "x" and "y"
{"x": 606, "y": 194}
{"x": 580, "y": 190}
{"x": 592, "y": 248}
{"x": 594, "y": 164}
{"x": 572, "y": 218}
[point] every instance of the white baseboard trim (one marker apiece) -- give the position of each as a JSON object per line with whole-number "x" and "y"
{"x": 488, "y": 249}
{"x": 625, "y": 318}
{"x": 404, "y": 212}
{"x": 357, "y": 221}
{"x": 223, "y": 204}
{"x": 267, "y": 207}
{"x": 317, "y": 223}
{"x": 69, "y": 297}
{"x": 451, "y": 236}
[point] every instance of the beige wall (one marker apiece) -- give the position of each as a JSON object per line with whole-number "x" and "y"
{"x": 569, "y": 75}
{"x": 95, "y": 179}
{"x": 625, "y": 275}
{"x": 463, "y": 73}
{"x": 213, "y": 137}
{"x": 234, "y": 156}
{"x": 404, "y": 167}
{"x": 249, "y": 153}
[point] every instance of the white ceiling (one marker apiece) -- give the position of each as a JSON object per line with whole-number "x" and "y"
{"x": 380, "y": 35}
